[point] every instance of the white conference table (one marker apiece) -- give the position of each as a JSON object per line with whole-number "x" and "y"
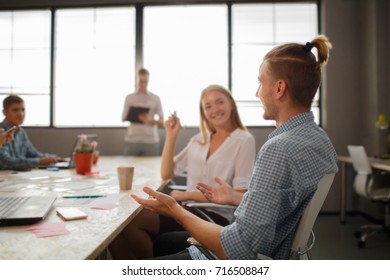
{"x": 87, "y": 238}
{"x": 380, "y": 164}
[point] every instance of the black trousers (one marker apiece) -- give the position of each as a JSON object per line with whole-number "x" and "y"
{"x": 183, "y": 255}
{"x": 170, "y": 243}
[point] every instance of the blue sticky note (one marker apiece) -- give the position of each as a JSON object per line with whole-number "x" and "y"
{"x": 52, "y": 169}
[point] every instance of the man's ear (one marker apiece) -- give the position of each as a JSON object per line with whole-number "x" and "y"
{"x": 280, "y": 88}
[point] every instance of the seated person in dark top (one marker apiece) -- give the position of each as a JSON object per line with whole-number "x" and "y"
{"x": 20, "y": 154}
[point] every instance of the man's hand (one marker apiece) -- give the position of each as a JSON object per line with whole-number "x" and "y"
{"x": 49, "y": 160}
{"x": 6, "y": 137}
{"x": 146, "y": 119}
{"x": 205, "y": 232}
{"x": 222, "y": 194}
{"x": 158, "y": 202}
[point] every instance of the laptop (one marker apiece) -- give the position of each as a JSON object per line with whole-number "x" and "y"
{"x": 24, "y": 210}
{"x": 70, "y": 163}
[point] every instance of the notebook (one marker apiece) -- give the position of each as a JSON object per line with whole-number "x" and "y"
{"x": 24, "y": 210}
{"x": 132, "y": 116}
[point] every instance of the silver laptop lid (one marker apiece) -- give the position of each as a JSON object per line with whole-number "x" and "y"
{"x": 31, "y": 211}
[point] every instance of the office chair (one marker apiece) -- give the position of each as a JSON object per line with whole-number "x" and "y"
{"x": 366, "y": 187}
{"x": 177, "y": 183}
{"x": 198, "y": 206}
{"x": 300, "y": 246}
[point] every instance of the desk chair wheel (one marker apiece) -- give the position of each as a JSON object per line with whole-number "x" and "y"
{"x": 361, "y": 244}
{"x": 363, "y": 236}
{"x": 358, "y": 234}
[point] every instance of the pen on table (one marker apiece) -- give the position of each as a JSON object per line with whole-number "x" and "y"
{"x": 83, "y": 196}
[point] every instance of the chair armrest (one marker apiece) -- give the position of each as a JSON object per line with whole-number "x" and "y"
{"x": 302, "y": 253}
{"x": 201, "y": 248}
{"x": 198, "y": 206}
{"x": 177, "y": 187}
{"x": 210, "y": 205}
{"x": 193, "y": 241}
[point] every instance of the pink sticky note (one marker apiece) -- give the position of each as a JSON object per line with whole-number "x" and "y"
{"x": 49, "y": 233}
{"x": 47, "y": 229}
{"x": 91, "y": 173}
{"x": 46, "y": 225}
{"x": 107, "y": 206}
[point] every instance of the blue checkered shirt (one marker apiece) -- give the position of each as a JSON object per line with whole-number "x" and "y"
{"x": 19, "y": 153}
{"x": 287, "y": 170}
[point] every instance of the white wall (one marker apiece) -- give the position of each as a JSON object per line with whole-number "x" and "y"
{"x": 357, "y": 80}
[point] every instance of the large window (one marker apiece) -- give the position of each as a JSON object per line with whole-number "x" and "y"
{"x": 94, "y": 66}
{"x": 80, "y": 78}
{"x": 25, "y": 61}
{"x": 257, "y": 28}
{"x": 184, "y": 58}
{"x": 185, "y": 54}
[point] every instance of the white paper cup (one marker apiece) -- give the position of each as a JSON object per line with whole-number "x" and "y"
{"x": 125, "y": 177}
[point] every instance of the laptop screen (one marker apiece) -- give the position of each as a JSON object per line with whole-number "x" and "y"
{"x": 70, "y": 163}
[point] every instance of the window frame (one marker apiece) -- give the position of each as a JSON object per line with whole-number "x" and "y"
{"x": 139, "y": 5}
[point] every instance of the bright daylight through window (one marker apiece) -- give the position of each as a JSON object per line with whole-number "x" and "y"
{"x": 95, "y": 61}
{"x": 185, "y": 48}
{"x": 25, "y": 61}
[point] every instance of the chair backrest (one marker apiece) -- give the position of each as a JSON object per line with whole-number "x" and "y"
{"x": 359, "y": 159}
{"x": 299, "y": 247}
{"x": 363, "y": 169}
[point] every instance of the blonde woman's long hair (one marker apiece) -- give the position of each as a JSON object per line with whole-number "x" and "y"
{"x": 205, "y": 126}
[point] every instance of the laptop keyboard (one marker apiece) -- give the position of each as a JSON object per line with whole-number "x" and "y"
{"x": 9, "y": 204}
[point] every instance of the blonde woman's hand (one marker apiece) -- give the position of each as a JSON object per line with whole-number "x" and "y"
{"x": 179, "y": 195}
{"x": 172, "y": 125}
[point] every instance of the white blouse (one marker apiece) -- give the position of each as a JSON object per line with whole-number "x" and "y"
{"x": 233, "y": 162}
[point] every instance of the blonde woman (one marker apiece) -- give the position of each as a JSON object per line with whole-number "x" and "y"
{"x": 223, "y": 151}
